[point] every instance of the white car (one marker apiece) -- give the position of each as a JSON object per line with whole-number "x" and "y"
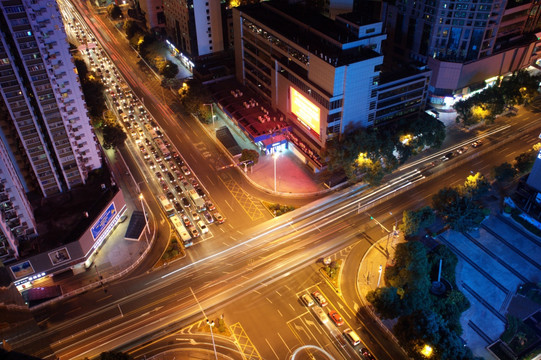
{"x": 201, "y": 224}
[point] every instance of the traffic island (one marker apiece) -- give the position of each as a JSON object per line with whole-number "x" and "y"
{"x": 331, "y": 272}
{"x": 175, "y": 250}
{"x": 277, "y": 209}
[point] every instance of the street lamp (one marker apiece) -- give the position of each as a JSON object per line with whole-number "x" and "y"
{"x": 275, "y": 156}
{"x": 141, "y": 198}
{"x": 379, "y": 277}
{"x": 395, "y": 227}
{"x": 211, "y": 112}
{"x": 211, "y": 324}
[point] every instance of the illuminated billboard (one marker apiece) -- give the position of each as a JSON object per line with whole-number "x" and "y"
{"x": 305, "y": 110}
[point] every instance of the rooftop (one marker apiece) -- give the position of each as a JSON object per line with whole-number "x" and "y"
{"x": 310, "y": 30}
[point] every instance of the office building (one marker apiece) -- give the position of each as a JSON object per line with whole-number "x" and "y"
{"x": 194, "y": 27}
{"x": 153, "y": 12}
{"x": 324, "y": 75}
{"x": 464, "y": 43}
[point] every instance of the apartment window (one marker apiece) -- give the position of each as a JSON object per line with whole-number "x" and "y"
{"x": 208, "y": 18}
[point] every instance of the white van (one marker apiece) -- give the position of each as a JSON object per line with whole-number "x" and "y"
{"x": 320, "y": 314}
{"x": 352, "y": 337}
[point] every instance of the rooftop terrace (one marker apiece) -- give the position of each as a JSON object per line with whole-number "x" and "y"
{"x": 312, "y": 31}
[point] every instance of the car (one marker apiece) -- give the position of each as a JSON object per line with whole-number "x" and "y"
{"x": 447, "y": 156}
{"x": 210, "y": 206}
{"x": 172, "y": 164}
{"x": 185, "y": 183}
{"x": 200, "y": 192}
{"x": 178, "y": 173}
{"x": 163, "y": 167}
{"x": 208, "y": 217}
{"x": 193, "y": 231}
{"x": 159, "y": 133}
{"x": 336, "y": 318}
{"x": 170, "y": 176}
{"x": 146, "y": 156}
{"x": 178, "y": 207}
{"x": 194, "y": 181}
{"x": 307, "y": 300}
{"x": 185, "y": 170}
{"x": 352, "y": 337}
{"x": 142, "y": 148}
{"x": 462, "y": 150}
{"x": 151, "y": 165}
{"x": 201, "y": 225}
{"x": 195, "y": 216}
{"x": 367, "y": 355}
{"x": 319, "y": 298}
{"x": 166, "y": 143}
{"x": 170, "y": 195}
{"x": 159, "y": 175}
{"x": 147, "y": 142}
{"x": 178, "y": 189}
{"x": 476, "y": 144}
{"x": 164, "y": 185}
{"x": 320, "y": 314}
{"x": 185, "y": 202}
{"x": 186, "y": 220}
{"x": 219, "y": 218}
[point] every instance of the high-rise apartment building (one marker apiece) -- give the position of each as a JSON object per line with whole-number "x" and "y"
{"x": 463, "y": 42}
{"x": 194, "y": 27}
{"x": 324, "y": 75}
{"x": 152, "y": 10}
{"x": 47, "y": 142}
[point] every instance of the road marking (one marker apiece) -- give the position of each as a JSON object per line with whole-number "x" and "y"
{"x": 278, "y": 293}
{"x": 229, "y": 205}
{"x": 268, "y": 343}
{"x": 280, "y": 313}
{"x": 105, "y": 298}
{"x": 281, "y": 338}
{"x": 292, "y": 308}
{"x": 79, "y": 308}
{"x": 268, "y": 300}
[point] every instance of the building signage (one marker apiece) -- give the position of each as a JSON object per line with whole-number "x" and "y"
{"x": 103, "y": 221}
{"x": 305, "y": 110}
{"x": 22, "y": 269}
{"x": 59, "y": 256}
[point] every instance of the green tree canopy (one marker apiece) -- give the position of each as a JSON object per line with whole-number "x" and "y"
{"x": 413, "y": 221}
{"x": 192, "y": 94}
{"x": 131, "y": 28}
{"x": 114, "y": 355}
{"x": 524, "y": 162}
{"x": 386, "y": 302}
{"x": 249, "y": 154}
{"x": 475, "y": 186}
{"x": 459, "y": 211}
{"x": 114, "y": 11}
{"x": 113, "y": 136}
{"x": 504, "y": 172}
{"x": 170, "y": 69}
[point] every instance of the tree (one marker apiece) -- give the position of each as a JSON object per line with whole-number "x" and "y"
{"x": 476, "y": 186}
{"x": 504, "y": 172}
{"x": 193, "y": 94}
{"x": 114, "y": 11}
{"x": 459, "y": 211}
{"x": 113, "y": 136}
{"x": 524, "y": 162}
{"x": 131, "y": 28}
{"x": 249, "y": 155}
{"x": 170, "y": 69}
{"x": 386, "y": 302}
{"x": 413, "y": 221}
{"x": 113, "y": 355}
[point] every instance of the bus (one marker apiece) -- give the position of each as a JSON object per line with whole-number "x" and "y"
{"x": 197, "y": 200}
{"x": 181, "y": 230}
{"x": 166, "y": 205}
{"x": 163, "y": 149}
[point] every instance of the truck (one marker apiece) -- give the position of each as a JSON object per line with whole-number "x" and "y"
{"x": 197, "y": 200}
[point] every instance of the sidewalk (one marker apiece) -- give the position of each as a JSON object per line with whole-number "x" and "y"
{"x": 372, "y": 268}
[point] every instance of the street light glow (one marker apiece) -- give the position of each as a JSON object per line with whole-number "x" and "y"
{"x": 427, "y": 351}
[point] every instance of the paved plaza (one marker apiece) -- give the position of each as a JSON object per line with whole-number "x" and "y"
{"x": 493, "y": 262}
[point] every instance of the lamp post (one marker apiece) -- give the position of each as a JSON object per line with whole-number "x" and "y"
{"x": 211, "y": 324}
{"x": 379, "y": 277}
{"x": 275, "y": 156}
{"x": 141, "y": 198}
{"x": 211, "y": 113}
